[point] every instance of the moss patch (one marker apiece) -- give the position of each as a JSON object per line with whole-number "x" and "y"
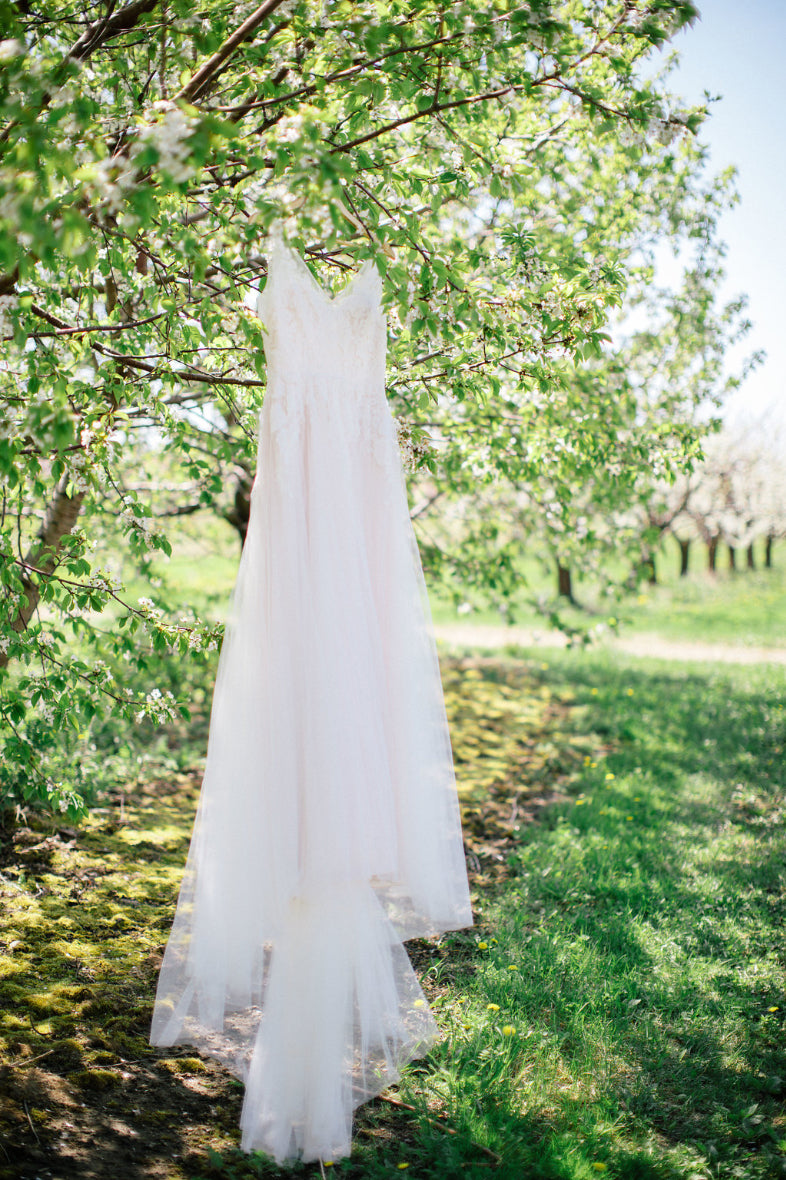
{"x": 86, "y": 915}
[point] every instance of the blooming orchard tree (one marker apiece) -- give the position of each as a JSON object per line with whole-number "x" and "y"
{"x": 485, "y": 157}
{"x": 737, "y": 495}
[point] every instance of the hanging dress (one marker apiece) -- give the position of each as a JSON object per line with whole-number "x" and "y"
{"x": 328, "y": 828}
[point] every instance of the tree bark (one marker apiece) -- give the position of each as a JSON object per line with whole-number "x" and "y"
{"x": 732, "y": 557}
{"x": 196, "y": 86}
{"x": 240, "y": 512}
{"x": 712, "y": 553}
{"x": 750, "y": 557}
{"x": 564, "y": 586}
{"x": 768, "y": 551}
{"x": 652, "y": 576}
{"x": 684, "y": 547}
{"x": 42, "y": 555}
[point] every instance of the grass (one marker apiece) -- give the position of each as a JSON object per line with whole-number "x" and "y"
{"x": 618, "y": 1010}
{"x": 743, "y": 608}
{"x": 746, "y": 607}
{"x": 626, "y": 1016}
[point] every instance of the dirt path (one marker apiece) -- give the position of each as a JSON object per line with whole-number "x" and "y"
{"x": 491, "y": 635}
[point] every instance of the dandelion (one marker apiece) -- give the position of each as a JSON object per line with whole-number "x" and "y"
{"x": 508, "y": 1030}
{"x": 774, "y": 1008}
{"x": 593, "y": 692}
{"x": 609, "y": 777}
{"x": 512, "y": 967}
{"x": 630, "y": 692}
{"x": 544, "y": 667}
{"x": 587, "y": 760}
{"x": 420, "y": 1004}
{"x": 599, "y": 1167}
{"x": 492, "y": 1007}
{"x": 483, "y": 946}
{"x": 402, "y": 1166}
{"x": 628, "y": 817}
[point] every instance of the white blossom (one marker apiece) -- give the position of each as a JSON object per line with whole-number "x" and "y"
{"x": 170, "y": 135}
{"x": 10, "y": 48}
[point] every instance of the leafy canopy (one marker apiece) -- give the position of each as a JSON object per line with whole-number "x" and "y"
{"x": 509, "y": 168}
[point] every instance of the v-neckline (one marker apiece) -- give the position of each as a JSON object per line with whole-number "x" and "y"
{"x": 318, "y": 287}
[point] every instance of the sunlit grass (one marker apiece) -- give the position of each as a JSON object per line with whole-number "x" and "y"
{"x": 746, "y": 607}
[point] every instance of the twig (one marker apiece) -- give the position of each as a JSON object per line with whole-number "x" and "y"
{"x": 30, "y": 1121}
{"x": 31, "y": 1060}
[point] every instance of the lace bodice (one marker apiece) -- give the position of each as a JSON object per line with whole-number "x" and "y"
{"x": 339, "y": 337}
{"x": 325, "y": 356}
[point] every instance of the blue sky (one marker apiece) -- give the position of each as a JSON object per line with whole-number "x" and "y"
{"x": 737, "y": 50}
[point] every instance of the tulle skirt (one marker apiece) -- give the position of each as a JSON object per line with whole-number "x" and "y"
{"x": 327, "y": 829}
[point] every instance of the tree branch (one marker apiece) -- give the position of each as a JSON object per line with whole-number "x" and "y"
{"x": 199, "y": 82}
{"x": 111, "y": 26}
{"x": 43, "y": 553}
{"x": 434, "y": 109}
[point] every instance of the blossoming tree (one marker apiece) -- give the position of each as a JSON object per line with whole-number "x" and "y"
{"x": 485, "y": 156}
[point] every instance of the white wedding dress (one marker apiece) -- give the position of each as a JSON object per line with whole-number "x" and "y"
{"x": 328, "y": 827}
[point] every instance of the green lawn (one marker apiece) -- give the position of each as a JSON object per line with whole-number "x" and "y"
{"x": 618, "y": 1009}
{"x": 744, "y": 608}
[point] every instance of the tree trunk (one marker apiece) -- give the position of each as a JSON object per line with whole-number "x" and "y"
{"x": 652, "y": 576}
{"x": 684, "y": 547}
{"x": 750, "y": 557}
{"x": 238, "y": 515}
{"x": 42, "y": 555}
{"x": 732, "y": 557}
{"x": 712, "y": 553}
{"x": 768, "y": 551}
{"x": 564, "y": 586}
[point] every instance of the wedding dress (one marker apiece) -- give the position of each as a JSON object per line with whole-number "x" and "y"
{"x": 328, "y": 828}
